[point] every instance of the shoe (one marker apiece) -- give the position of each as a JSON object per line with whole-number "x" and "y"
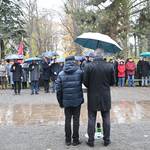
{"x": 68, "y": 143}
{"x": 76, "y": 143}
{"x": 32, "y": 93}
{"x": 106, "y": 143}
{"x": 36, "y": 93}
{"x": 90, "y": 144}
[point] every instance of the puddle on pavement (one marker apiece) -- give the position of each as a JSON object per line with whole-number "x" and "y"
{"x": 44, "y": 114}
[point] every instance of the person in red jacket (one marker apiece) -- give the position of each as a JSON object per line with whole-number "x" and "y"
{"x": 130, "y": 68}
{"x": 121, "y": 73}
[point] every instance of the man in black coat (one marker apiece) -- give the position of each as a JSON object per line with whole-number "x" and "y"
{"x": 55, "y": 68}
{"x": 144, "y": 67}
{"x": 70, "y": 96}
{"x": 46, "y": 74}
{"x": 98, "y": 77}
{"x": 16, "y": 69}
{"x": 139, "y": 71}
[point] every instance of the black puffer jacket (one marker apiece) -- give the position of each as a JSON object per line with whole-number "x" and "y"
{"x": 69, "y": 86}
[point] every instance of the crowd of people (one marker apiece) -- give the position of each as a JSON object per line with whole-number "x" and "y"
{"x": 130, "y": 71}
{"x": 67, "y": 78}
{"x": 34, "y": 74}
{"x": 45, "y": 72}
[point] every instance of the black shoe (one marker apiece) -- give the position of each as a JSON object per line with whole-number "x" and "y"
{"x": 90, "y": 144}
{"x": 36, "y": 93}
{"x": 106, "y": 143}
{"x": 68, "y": 143}
{"x": 76, "y": 143}
{"x": 32, "y": 93}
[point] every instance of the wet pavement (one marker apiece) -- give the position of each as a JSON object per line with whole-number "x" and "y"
{"x": 37, "y": 123}
{"x": 46, "y": 114}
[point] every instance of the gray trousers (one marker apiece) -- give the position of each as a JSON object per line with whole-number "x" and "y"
{"x": 91, "y": 125}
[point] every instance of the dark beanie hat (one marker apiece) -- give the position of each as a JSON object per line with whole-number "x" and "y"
{"x": 70, "y": 58}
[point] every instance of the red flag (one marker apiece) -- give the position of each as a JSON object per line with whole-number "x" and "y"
{"x": 20, "y": 50}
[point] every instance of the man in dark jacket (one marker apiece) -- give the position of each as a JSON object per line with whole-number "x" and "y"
{"x": 16, "y": 69}
{"x": 55, "y": 68}
{"x": 46, "y": 74}
{"x": 139, "y": 71}
{"x": 145, "y": 67}
{"x": 34, "y": 77}
{"x": 98, "y": 77}
{"x": 70, "y": 96}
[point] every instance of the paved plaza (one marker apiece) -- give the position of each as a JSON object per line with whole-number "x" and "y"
{"x": 35, "y": 122}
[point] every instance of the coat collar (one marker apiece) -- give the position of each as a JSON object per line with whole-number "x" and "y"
{"x": 97, "y": 58}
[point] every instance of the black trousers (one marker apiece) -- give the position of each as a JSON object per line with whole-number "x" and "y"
{"x": 106, "y": 125}
{"x": 69, "y": 113}
{"x": 17, "y": 86}
{"x": 46, "y": 85}
{"x": 24, "y": 85}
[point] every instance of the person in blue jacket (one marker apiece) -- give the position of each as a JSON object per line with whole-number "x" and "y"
{"x": 70, "y": 96}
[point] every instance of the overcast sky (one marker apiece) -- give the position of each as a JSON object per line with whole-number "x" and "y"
{"x": 51, "y": 4}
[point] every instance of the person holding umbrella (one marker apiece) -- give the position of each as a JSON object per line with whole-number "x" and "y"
{"x": 88, "y": 58}
{"x": 98, "y": 77}
{"x": 46, "y": 74}
{"x": 55, "y": 68}
{"x": 34, "y": 77}
{"x": 16, "y": 69}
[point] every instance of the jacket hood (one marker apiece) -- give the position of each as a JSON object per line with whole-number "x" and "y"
{"x": 70, "y": 67}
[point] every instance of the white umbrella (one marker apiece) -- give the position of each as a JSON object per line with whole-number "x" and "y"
{"x": 97, "y": 40}
{"x": 13, "y": 56}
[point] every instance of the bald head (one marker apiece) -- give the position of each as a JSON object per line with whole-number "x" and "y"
{"x": 99, "y": 52}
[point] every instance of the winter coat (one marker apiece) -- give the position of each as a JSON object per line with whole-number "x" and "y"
{"x": 69, "y": 86}
{"x": 3, "y": 70}
{"x": 45, "y": 71}
{"x": 98, "y": 77}
{"x": 16, "y": 69}
{"x": 8, "y": 66}
{"x": 139, "y": 69}
{"x": 25, "y": 74}
{"x": 84, "y": 63}
{"x": 143, "y": 68}
{"x": 121, "y": 70}
{"x": 130, "y": 68}
{"x": 34, "y": 72}
{"x": 55, "y": 68}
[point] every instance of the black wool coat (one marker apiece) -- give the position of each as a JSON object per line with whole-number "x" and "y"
{"x": 45, "y": 71}
{"x": 98, "y": 77}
